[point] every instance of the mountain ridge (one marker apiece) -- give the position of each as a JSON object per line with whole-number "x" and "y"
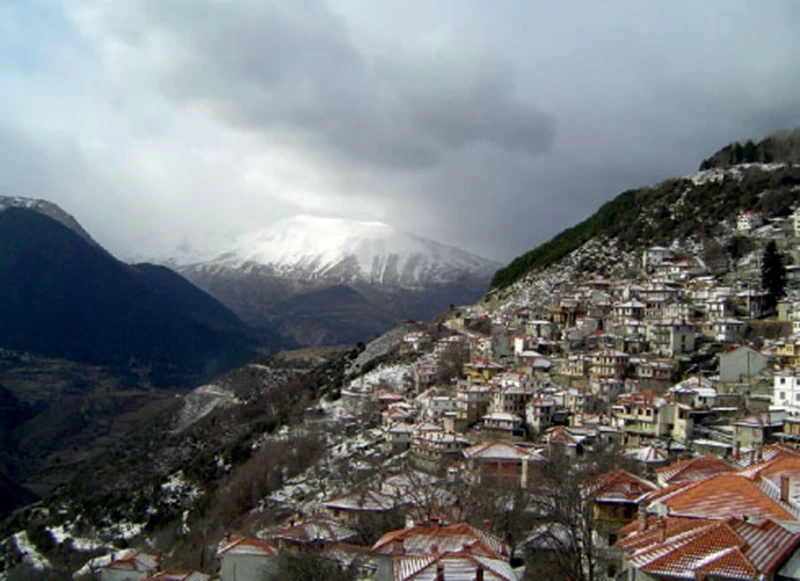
{"x": 308, "y": 247}
{"x": 64, "y": 297}
{"x": 692, "y": 205}
{"x": 369, "y": 275}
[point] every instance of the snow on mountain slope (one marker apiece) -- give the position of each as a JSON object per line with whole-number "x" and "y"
{"x": 49, "y": 209}
{"x": 308, "y": 247}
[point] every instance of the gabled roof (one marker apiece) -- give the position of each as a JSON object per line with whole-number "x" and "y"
{"x": 647, "y": 455}
{"x": 456, "y": 566}
{"x": 232, "y": 545}
{"x": 769, "y": 476}
{"x": 693, "y": 469}
{"x": 719, "y": 497}
{"x": 618, "y": 486}
{"x": 421, "y": 540}
{"x": 363, "y": 501}
{"x": 136, "y": 561}
{"x": 314, "y": 529}
{"x": 646, "y": 397}
{"x": 699, "y": 549}
{"x": 751, "y": 457}
{"x": 499, "y": 450}
{"x": 562, "y": 435}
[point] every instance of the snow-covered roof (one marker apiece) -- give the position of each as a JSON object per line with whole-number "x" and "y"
{"x": 366, "y": 500}
{"x": 460, "y": 566}
{"x": 314, "y": 529}
{"x": 499, "y": 450}
{"x": 232, "y": 545}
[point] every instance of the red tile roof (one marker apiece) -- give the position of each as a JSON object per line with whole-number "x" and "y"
{"x": 500, "y": 450}
{"x": 456, "y": 566}
{"x": 719, "y": 497}
{"x": 698, "y": 548}
{"x": 693, "y": 469}
{"x": 421, "y": 540}
{"x": 238, "y": 545}
{"x": 136, "y": 561}
{"x": 618, "y": 486}
{"x": 314, "y": 529}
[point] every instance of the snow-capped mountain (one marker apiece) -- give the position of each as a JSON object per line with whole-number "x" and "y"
{"x": 309, "y": 247}
{"x": 335, "y": 281}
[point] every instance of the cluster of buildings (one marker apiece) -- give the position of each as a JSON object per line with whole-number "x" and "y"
{"x": 675, "y": 369}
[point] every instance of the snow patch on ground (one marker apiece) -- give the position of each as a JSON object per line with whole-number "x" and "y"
{"x": 201, "y": 402}
{"x": 62, "y": 533}
{"x": 29, "y": 553}
{"x": 175, "y": 489}
{"x": 92, "y": 565}
{"x": 393, "y": 377}
{"x": 376, "y": 348}
{"x": 717, "y": 174}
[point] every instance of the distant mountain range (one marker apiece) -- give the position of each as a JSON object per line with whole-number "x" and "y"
{"x": 62, "y": 295}
{"x": 334, "y": 281}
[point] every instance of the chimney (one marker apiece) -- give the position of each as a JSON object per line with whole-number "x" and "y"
{"x": 642, "y": 517}
{"x": 487, "y": 526}
{"x": 785, "y": 488}
{"x": 397, "y": 548}
{"x": 752, "y": 455}
{"x": 760, "y": 452}
{"x": 737, "y": 451}
{"x": 435, "y": 522}
{"x": 662, "y": 529}
{"x": 479, "y": 573}
{"x": 435, "y": 550}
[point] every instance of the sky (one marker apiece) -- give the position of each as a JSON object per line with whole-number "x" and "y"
{"x": 490, "y": 125}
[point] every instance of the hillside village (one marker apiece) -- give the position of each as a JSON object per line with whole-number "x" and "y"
{"x": 639, "y": 425}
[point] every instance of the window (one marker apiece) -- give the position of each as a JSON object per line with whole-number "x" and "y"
{"x": 782, "y": 395}
{"x": 783, "y": 380}
{"x": 797, "y": 397}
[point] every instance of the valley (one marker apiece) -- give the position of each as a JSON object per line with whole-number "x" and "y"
{"x": 546, "y": 429}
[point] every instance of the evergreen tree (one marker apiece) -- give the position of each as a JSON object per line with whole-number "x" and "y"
{"x": 773, "y": 275}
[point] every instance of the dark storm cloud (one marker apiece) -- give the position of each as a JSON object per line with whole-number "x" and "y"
{"x": 489, "y": 125}
{"x": 289, "y": 70}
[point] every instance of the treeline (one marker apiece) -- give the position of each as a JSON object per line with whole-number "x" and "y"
{"x": 783, "y": 146}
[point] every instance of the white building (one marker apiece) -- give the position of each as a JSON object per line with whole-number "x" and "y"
{"x": 728, "y": 330}
{"x": 796, "y": 221}
{"x": 671, "y": 336}
{"x": 786, "y": 392}
{"x": 748, "y": 221}
{"x": 654, "y": 256}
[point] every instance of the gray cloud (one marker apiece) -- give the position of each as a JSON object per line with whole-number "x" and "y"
{"x": 289, "y": 70}
{"x": 492, "y": 127}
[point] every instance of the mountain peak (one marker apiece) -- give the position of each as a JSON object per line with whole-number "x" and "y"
{"x": 48, "y": 209}
{"x": 346, "y": 250}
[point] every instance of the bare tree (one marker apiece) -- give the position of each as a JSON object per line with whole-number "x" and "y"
{"x": 310, "y": 566}
{"x": 451, "y": 363}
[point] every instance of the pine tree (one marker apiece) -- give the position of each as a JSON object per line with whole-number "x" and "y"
{"x": 773, "y": 275}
